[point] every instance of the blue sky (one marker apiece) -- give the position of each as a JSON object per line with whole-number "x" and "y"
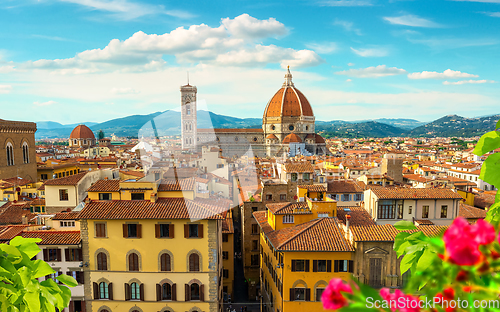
{"x": 93, "y": 60}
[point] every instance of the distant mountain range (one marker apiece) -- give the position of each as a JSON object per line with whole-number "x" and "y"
{"x": 168, "y": 123}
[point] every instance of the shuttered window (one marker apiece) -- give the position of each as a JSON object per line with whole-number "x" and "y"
{"x": 102, "y": 262}
{"x": 194, "y": 263}
{"x": 165, "y": 262}
{"x": 100, "y": 229}
{"x": 133, "y": 262}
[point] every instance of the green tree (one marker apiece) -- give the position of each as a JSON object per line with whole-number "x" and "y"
{"x": 100, "y": 135}
{"x": 20, "y": 289}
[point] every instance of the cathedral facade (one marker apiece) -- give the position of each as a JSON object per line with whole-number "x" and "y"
{"x": 288, "y": 127}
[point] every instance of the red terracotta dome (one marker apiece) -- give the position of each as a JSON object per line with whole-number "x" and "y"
{"x": 319, "y": 139}
{"x": 82, "y": 132}
{"x": 292, "y": 138}
{"x": 271, "y": 137}
{"x": 288, "y": 102}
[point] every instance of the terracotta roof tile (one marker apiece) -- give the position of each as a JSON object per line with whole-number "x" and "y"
{"x": 50, "y": 237}
{"x": 359, "y": 216}
{"x": 313, "y": 187}
{"x": 289, "y": 208}
{"x": 303, "y": 166}
{"x": 69, "y": 180}
{"x": 8, "y": 232}
{"x": 12, "y": 213}
{"x": 344, "y": 186}
{"x": 176, "y": 185}
{"x": 169, "y": 208}
{"x": 388, "y": 232}
{"x": 470, "y": 212}
{"x": 414, "y": 193}
{"x": 227, "y": 226}
{"x": 66, "y": 216}
{"x": 105, "y": 186}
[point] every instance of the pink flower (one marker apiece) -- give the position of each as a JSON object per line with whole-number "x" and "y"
{"x": 332, "y": 298}
{"x": 462, "y": 240}
{"x": 407, "y": 304}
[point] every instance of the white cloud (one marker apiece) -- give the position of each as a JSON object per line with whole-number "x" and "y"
{"x": 350, "y": 64}
{"x": 411, "y": 20}
{"x": 4, "y": 89}
{"x": 348, "y": 26}
{"x": 371, "y": 52}
{"x": 373, "y": 72}
{"x": 246, "y": 26}
{"x": 127, "y": 10}
{"x": 347, "y": 3}
{"x": 447, "y": 74}
{"x": 222, "y": 45}
{"x": 453, "y": 43}
{"x": 48, "y": 103}
{"x": 7, "y": 69}
{"x": 348, "y": 80}
{"x": 124, "y": 91}
{"x": 493, "y": 14}
{"x": 485, "y": 1}
{"x": 323, "y": 48}
{"x": 467, "y": 82}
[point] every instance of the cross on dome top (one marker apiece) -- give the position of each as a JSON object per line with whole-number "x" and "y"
{"x": 288, "y": 78}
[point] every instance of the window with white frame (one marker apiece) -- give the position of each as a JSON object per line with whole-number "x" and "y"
{"x": 288, "y": 219}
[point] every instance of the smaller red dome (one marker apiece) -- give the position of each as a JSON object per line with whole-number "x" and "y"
{"x": 271, "y": 137}
{"x": 292, "y": 138}
{"x": 319, "y": 139}
{"x": 82, "y": 132}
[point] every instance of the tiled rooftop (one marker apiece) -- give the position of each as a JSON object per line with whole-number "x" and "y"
{"x": 50, "y": 237}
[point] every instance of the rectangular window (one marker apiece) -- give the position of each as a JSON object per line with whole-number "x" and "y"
{"x": 295, "y": 176}
{"x": 73, "y": 254}
{"x": 283, "y": 197}
{"x": 300, "y": 294}
{"x": 225, "y": 273}
{"x": 255, "y": 229}
{"x": 323, "y": 215}
{"x": 319, "y": 293}
{"x": 255, "y": 244}
{"x": 269, "y": 196}
{"x": 137, "y": 196}
{"x": 410, "y": 209}
{"x": 254, "y": 260}
{"x": 225, "y": 238}
{"x": 288, "y": 219}
{"x": 345, "y": 197}
{"x": 254, "y": 209}
{"x": 193, "y": 230}
{"x": 358, "y": 197}
{"x": 63, "y": 195}
{"x": 386, "y": 211}
{"x": 43, "y": 176}
{"x": 65, "y": 223}
{"x": 164, "y": 230}
{"x": 52, "y": 254}
{"x": 225, "y": 255}
{"x": 104, "y": 196}
{"x": 100, "y": 229}
{"x": 400, "y": 211}
{"x": 321, "y": 265}
{"x": 425, "y": 211}
{"x": 305, "y": 176}
{"x": 344, "y": 266}
{"x": 132, "y": 230}
{"x": 300, "y": 265}
{"x": 444, "y": 211}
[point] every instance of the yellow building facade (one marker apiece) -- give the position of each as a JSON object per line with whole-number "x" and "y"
{"x": 302, "y": 246}
{"x": 150, "y": 255}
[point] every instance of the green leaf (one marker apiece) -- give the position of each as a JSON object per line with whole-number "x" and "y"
{"x": 41, "y": 268}
{"x": 498, "y": 125}
{"x": 26, "y": 245}
{"x": 32, "y": 300}
{"x": 407, "y": 261}
{"x": 404, "y": 225}
{"x": 67, "y": 280}
{"x": 493, "y": 214}
{"x": 13, "y": 254}
{"x": 490, "y": 170}
{"x": 487, "y": 143}
{"x": 425, "y": 260}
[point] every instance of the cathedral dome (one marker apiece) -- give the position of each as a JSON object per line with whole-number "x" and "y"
{"x": 82, "y": 132}
{"x": 292, "y": 138}
{"x": 288, "y": 101}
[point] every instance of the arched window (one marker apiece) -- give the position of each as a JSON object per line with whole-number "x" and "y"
{"x": 195, "y": 291}
{"x": 194, "y": 263}
{"x": 102, "y": 262}
{"x": 10, "y": 155}
{"x": 190, "y": 127}
{"x": 135, "y": 291}
{"x": 103, "y": 290}
{"x": 166, "y": 291}
{"x": 133, "y": 262}
{"x": 26, "y": 158}
{"x": 165, "y": 262}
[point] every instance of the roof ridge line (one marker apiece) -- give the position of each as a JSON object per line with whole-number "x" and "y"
{"x": 313, "y": 222}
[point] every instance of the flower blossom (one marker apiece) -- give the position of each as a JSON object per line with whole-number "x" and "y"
{"x": 462, "y": 240}
{"x": 407, "y": 304}
{"x": 332, "y": 298}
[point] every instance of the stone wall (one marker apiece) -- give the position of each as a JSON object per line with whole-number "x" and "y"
{"x": 16, "y": 133}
